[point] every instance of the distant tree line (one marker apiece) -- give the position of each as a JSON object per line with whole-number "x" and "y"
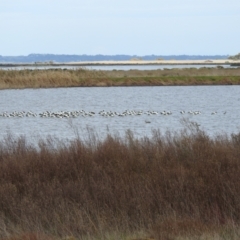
{"x": 235, "y": 57}
{"x": 32, "y": 58}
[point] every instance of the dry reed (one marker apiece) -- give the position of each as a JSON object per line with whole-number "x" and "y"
{"x": 87, "y": 78}
{"x": 170, "y": 185}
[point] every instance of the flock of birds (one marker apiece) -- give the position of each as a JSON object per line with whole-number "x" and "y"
{"x": 103, "y": 113}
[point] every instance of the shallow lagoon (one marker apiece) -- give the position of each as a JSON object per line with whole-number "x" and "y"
{"x": 216, "y": 109}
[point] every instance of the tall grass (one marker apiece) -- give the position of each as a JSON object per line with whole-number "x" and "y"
{"x": 87, "y": 78}
{"x": 169, "y": 185}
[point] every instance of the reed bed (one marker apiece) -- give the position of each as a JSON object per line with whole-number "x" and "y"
{"x": 181, "y": 185}
{"x": 48, "y": 78}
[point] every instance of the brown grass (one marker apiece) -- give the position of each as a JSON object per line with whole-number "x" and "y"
{"x": 170, "y": 185}
{"x": 87, "y": 78}
{"x": 29, "y": 236}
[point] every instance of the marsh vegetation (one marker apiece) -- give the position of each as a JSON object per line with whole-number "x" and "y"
{"x": 16, "y": 79}
{"x": 172, "y": 185}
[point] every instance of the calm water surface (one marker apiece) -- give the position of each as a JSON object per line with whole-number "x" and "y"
{"x": 120, "y": 67}
{"x": 216, "y": 108}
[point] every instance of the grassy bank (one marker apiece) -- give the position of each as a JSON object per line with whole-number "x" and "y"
{"x": 170, "y": 186}
{"x": 17, "y": 79}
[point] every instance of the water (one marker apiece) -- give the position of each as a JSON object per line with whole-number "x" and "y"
{"x": 119, "y": 67}
{"x": 215, "y": 108}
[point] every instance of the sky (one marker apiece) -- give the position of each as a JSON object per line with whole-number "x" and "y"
{"x": 110, "y": 27}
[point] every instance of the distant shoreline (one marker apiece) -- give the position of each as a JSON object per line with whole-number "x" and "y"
{"x": 122, "y": 63}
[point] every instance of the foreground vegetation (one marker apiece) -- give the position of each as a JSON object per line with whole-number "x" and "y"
{"x": 17, "y": 79}
{"x": 171, "y": 186}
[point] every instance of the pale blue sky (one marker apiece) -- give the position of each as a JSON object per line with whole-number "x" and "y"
{"x": 134, "y": 27}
